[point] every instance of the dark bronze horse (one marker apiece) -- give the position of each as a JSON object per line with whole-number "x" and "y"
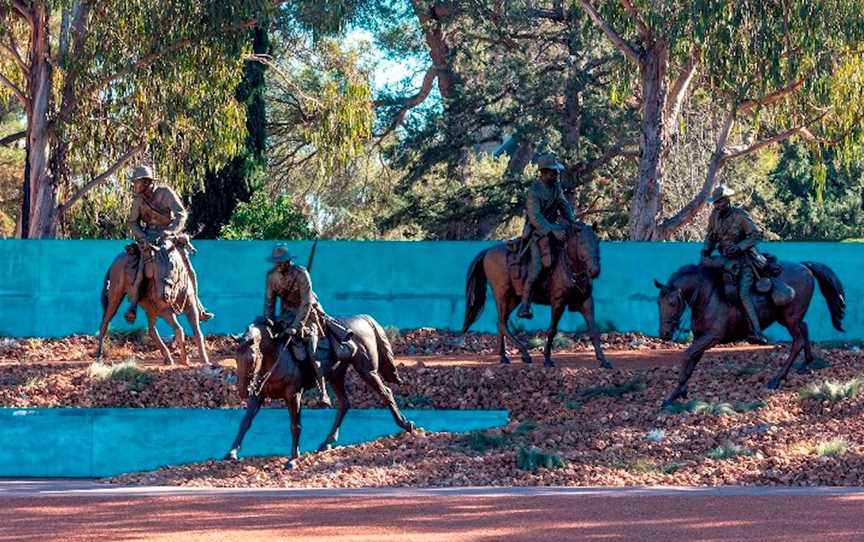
{"x": 567, "y": 285}
{"x": 715, "y": 320}
{"x": 274, "y": 373}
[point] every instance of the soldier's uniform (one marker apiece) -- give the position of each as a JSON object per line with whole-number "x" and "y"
{"x": 292, "y": 285}
{"x": 545, "y": 208}
{"x": 734, "y": 233}
{"x": 158, "y": 215}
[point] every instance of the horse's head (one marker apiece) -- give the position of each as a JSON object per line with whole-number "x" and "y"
{"x": 672, "y": 304}
{"x": 583, "y": 248}
{"x": 249, "y": 358}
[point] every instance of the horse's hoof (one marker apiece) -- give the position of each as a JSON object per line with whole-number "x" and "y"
{"x": 412, "y": 428}
{"x": 773, "y": 384}
{"x": 548, "y": 362}
{"x": 804, "y": 370}
{"x": 505, "y": 360}
{"x": 325, "y": 447}
{"x": 604, "y": 364}
{"x": 291, "y": 465}
{"x": 231, "y": 456}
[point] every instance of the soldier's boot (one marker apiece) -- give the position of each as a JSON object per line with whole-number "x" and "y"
{"x": 203, "y": 314}
{"x": 525, "y": 308}
{"x": 756, "y": 336}
{"x": 321, "y": 383}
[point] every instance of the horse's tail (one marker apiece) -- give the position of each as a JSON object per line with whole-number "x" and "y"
{"x": 386, "y": 359}
{"x": 106, "y": 285}
{"x": 475, "y": 291}
{"x": 832, "y": 291}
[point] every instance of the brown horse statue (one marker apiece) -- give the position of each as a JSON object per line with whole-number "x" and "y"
{"x": 715, "y": 320}
{"x": 267, "y": 368}
{"x": 169, "y": 292}
{"x": 567, "y": 285}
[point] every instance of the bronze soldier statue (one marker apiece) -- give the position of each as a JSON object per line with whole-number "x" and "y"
{"x": 157, "y": 215}
{"x": 291, "y": 283}
{"x": 733, "y": 232}
{"x": 545, "y": 210}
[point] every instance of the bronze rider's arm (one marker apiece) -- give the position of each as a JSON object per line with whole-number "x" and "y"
{"x": 536, "y": 218}
{"x": 304, "y": 285}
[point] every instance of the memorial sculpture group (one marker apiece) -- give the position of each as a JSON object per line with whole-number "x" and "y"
{"x": 733, "y": 294}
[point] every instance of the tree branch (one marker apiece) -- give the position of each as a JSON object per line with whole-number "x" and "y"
{"x": 13, "y": 50}
{"x": 679, "y": 89}
{"x": 12, "y": 138}
{"x": 15, "y": 90}
{"x": 616, "y": 38}
{"x": 21, "y": 8}
{"x": 641, "y": 27}
{"x": 748, "y": 105}
{"x": 689, "y": 211}
{"x": 408, "y": 103}
{"x": 99, "y": 179}
{"x": 800, "y": 129}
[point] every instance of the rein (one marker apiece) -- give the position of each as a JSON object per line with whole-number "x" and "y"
{"x": 256, "y": 386}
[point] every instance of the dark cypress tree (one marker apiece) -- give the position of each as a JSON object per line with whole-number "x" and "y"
{"x": 212, "y": 207}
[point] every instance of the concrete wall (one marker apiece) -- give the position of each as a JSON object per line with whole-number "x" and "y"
{"x": 94, "y": 442}
{"x": 51, "y": 288}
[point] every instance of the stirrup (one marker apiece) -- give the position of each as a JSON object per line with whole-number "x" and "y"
{"x": 525, "y": 312}
{"x": 131, "y": 314}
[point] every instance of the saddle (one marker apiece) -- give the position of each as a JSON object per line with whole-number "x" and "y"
{"x": 767, "y": 270}
{"x": 336, "y": 337}
{"x": 165, "y": 274}
{"x": 519, "y": 258}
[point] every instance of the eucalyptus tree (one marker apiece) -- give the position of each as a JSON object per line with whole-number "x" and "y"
{"x": 104, "y": 82}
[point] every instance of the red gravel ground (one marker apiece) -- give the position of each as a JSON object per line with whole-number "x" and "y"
{"x": 424, "y": 518}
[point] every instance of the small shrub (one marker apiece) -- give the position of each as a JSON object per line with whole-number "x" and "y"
{"x": 671, "y": 468}
{"x": 713, "y": 409}
{"x": 750, "y": 406}
{"x": 818, "y": 364}
{"x": 134, "y": 335}
{"x": 414, "y": 401}
{"x": 655, "y": 435}
{"x": 394, "y": 334}
{"x": 525, "y": 428}
{"x": 562, "y": 342}
{"x": 537, "y": 341}
{"x": 832, "y": 390}
{"x": 641, "y": 466}
{"x": 136, "y": 378}
{"x": 728, "y": 450}
{"x": 33, "y": 381}
{"x": 481, "y": 441}
{"x": 832, "y": 448}
{"x": 636, "y": 384}
{"x": 532, "y": 459}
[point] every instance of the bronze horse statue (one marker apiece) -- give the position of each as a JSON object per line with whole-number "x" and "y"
{"x": 715, "y": 320}
{"x": 169, "y": 293}
{"x": 267, "y": 368}
{"x": 567, "y": 285}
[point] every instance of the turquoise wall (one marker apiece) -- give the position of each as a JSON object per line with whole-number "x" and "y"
{"x": 51, "y": 288}
{"x": 94, "y": 442}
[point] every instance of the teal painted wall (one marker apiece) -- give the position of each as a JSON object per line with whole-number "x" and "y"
{"x": 94, "y": 442}
{"x": 51, "y": 288}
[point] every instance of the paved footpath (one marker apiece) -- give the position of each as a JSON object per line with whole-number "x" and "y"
{"x": 46, "y": 510}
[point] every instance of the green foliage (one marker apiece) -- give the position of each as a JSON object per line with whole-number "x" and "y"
{"x": 634, "y": 385}
{"x": 264, "y": 217}
{"x": 532, "y": 459}
{"x": 712, "y": 408}
{"x": 136, "y": 378}
{"x": 415, "y": 401}
{"x": 836, "y": 447}
{"x": 728, "y": 450}
{"x": 655, "y": 435}
{"x": 481, "y": 441}
{"x": 394, "y": 334}
{"x": 101, "y": 214}
{"x": 832, "y": 390}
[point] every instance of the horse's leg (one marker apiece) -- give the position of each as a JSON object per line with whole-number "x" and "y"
{"x": 253, "y": 405}
{"x": 115, "y": 297}
{"x": 292, "y": 400}
{"x": 557, "y": 312}
{"x": 179, "y": 336}
{"x": 194, "y": 319}
{"x": 808, "y": 350}
{"x": 691, "y": 357}
{"x": 501, "y": 304}
{"x": 587, "y": 311}
{"x": 338, "y": 385}
{"x": 154, "y": 334}
{"x": 797, "y": 344}
{"x": 373, "y": 379}
{"x": 509, "y": 304}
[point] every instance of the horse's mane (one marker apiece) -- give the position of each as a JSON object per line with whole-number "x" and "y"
{"x": 689, "y": 269}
